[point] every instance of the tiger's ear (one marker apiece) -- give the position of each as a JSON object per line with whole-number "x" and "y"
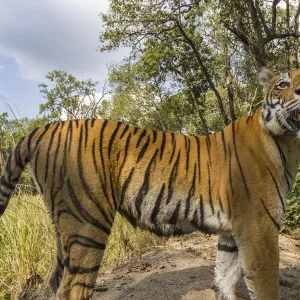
{"x": 265, "y": 76}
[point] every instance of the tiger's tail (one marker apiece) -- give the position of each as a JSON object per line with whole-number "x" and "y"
{"x": 13, "y": 169}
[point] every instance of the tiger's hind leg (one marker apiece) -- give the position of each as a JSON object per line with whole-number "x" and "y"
{"x": 83, "y": 248}
{"x": 228, "y": 268}
{"x": 58, "y": 272}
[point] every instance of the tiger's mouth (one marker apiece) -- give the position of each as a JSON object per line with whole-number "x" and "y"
{"x": 294, "y": 120}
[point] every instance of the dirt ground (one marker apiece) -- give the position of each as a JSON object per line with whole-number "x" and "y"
{"x": 184, "y": 269}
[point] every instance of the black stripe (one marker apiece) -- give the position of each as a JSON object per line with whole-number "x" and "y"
{"x": 269, "y": 214}
{"x": 125, "y": 155}
{"x": 247, "y": 120}
{"x": 59, "y": 263}
{"x": 8, "y": 167}
{"x": 198, "y": 155}
{"x": 229, "y": 208}
{"x": 113, "y": 191}
{"x": 86, "y": 129}
{"x": 4, "y": 194}
{"x": 174, "y": 218}
{"x": 221, "y": 205}
{"x": 2, "y": 208}
{"x": 68, "y": 212}
{"x": 86, "y": 186}
{"x": 112, "y": 138}
{"x": 17, "y": 154}
{"x": 41, "y": 136}
{"x": 173, "y": 137}
{"x": 124, "y": 131}
{"x": 54, "y": 170}
{"x": 277, "y": 189}
{"x": 188, "y": 154}
{"x": 283, "y": 161}
{"x": 230, "y": 171}
{"x": 79, "y": 269}
{"x": 101, "y": 149}
{"x": 163, "y": 144}
{"x": 209, "y": 189}
{"x": 227, "y": 248}
{"x": 36, "y": 171}
{"x": 49, "y": 150}
{"x": 135, "y": 130}
{"x": 125, "y": 186}
{"x": 224, "y": 143}
{"x": 70, "y": 129}
{"x": 84, "y": 285}
{"x": 156, "y": 208}
{"x": 94, "y": 156}
{"x": 190, "y": 194}
{"x": 93, "y": 122}
{"x": 83, "y": 212}
{"x": 201, "y": 211}
{"x": 140, "y": 137}
{"x": 145, "y": 186}
{"x": 6, "y": 184}
{"x": 87, "y": 242}
{"x": 144, "y": 149}
{"x": 172, "y": 178}
{"x": 208, "y": 148}
{"x": 238, "y": 161}
{"x": 30, "y": 138}
{"x": 173, "y": 152}
{"x": 154, "y": 136}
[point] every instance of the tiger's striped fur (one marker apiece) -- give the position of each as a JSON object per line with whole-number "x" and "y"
{"x": 233, "y": 183}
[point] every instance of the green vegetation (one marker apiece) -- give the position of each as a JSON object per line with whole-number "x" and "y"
{"x": 28, "y": 249}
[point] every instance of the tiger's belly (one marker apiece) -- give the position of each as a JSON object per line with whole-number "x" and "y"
{"x": 177, "y": 217}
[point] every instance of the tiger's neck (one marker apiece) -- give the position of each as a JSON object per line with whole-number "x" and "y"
{"x": 288, "y": 148}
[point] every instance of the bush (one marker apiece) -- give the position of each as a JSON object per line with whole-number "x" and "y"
{"x": 28, "y": 248}
{"x": 292, "y": 215}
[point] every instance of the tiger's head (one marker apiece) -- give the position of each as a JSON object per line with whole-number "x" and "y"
{"x": 281, "y": 107}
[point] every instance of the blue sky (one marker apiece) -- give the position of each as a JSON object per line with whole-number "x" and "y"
{"x": 39, "y": 36}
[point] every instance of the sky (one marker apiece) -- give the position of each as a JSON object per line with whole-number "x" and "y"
{"x": 39, "y": 36}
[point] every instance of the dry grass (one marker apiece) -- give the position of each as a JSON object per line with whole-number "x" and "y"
{"x": 28, "y": 251}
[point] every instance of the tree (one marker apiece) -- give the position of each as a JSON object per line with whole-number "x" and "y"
{"x": 69, "y": 98}
{"x": 169, "y": 25}
{"x": 258, "y": 24}
{"x": 204, "y": 48}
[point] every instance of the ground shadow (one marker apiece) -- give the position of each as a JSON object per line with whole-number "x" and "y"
{"x": 173, "y": 285}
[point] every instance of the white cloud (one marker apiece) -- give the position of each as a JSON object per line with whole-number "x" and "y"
{"x": 54, "y": 34}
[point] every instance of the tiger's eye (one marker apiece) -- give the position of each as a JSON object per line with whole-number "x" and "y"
{"x": 283, "y": 85}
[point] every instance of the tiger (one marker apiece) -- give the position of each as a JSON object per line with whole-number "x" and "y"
{"x": 233, "y": 183}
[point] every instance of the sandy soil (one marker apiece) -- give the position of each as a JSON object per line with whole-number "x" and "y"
{"x": 184, "y": 269}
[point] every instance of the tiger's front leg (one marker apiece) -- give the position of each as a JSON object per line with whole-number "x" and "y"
{"x": 228, "y": 268}
{"x": 259, "y": 252}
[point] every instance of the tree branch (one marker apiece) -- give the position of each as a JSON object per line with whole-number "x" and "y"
{"x": 204, "y": 71}
{"x": 274, "y": 15}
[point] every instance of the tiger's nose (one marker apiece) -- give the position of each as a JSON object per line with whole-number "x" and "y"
{"x": 297, "y": 91}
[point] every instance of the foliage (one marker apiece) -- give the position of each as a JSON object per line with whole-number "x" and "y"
{"x": 202, "y": 49}
{"x": 70, "y": 98}
{"x": 292, "y": 215}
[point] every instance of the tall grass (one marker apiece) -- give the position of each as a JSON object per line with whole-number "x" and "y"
{"x": 28, "y": 250}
